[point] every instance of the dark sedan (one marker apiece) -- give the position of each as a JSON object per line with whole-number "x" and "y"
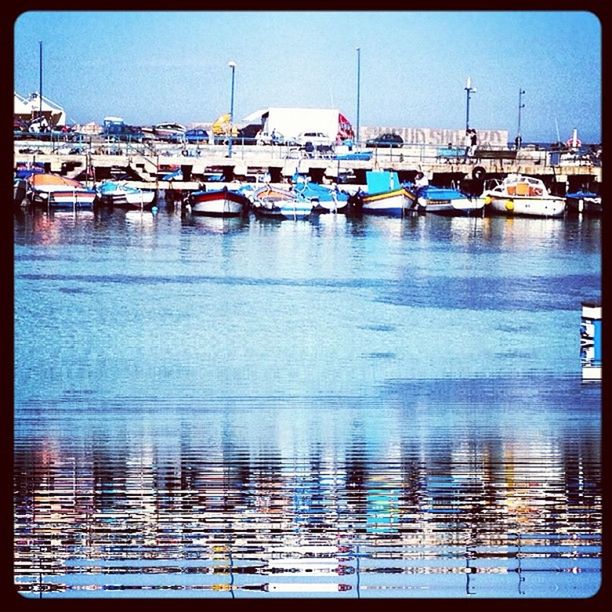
{"x": 196, "y": 135}
{"x": 386, "y": 140}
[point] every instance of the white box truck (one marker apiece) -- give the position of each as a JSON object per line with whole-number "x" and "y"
{"x": 287, "y": 125}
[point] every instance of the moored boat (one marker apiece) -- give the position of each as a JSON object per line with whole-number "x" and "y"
{"x": 57, "y": 191}
{"x": 120, "y": 193}
{"x": 524, "y": 195}
{"x": 324, "y": 199}
{"x": 269, "y": 201}
{"x": 220, "y": 202}
{"x": 449, "y": 201}
{"x": 20, "y": 191}
{"x": 587, "y": 202}
{"x": 385, "y": 196}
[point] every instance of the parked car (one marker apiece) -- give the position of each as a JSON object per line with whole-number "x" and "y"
{"x": 193, "y": 136}
{"x": 169, "y": 131}
{"x": 114, "y": 128}
{"x": 315, "y": 138}
{"x": 386, "y": 140}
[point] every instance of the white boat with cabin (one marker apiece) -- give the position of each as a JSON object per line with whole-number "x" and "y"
{"x": 524, "y": 195}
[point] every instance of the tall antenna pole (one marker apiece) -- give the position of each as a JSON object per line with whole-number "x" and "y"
{"x": 519, "y": 138}
{"x": 358, "y": 90}
{"x": 40, "y": 71}
{"x": 232, "y": 66}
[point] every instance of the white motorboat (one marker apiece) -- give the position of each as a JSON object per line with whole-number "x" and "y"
{"x": 523, "y": 195}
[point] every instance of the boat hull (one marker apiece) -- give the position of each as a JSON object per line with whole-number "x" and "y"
{"x": 528, "y": 206}
{"x": 454, "y": 206}
{"x": 128, "y": 200}
{"x": 394, "y": 203}
{"x": 124, "y": 196}
{"x": 280, "y": 204}
{"x": 284, "y": 209}
{"x": 590, "y": 205}
{"x": 218, "y": 203}
{"x": 72, "y": 198}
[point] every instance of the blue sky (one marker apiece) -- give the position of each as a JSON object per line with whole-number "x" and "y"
{"x": 156, "y": 66}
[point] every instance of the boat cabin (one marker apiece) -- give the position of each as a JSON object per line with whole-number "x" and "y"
{"x": 526, "y": 186}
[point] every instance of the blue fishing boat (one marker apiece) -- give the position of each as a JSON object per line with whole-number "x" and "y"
{"x": 385, "y": 196}
{"x": 324, "y": 199}
{"x": 449, "y": 201}
{"x": 270, "y": 201}
{"x": 120, "y": 193}
{"x": 583, "y": 201}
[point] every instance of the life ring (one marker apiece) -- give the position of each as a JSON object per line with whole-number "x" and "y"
{"x": 509, "y": 205}
{"x": 487, "y": 200}
{"x": 479, "y": 173}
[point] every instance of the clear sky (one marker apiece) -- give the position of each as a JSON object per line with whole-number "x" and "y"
{"x": 156, "y": 66}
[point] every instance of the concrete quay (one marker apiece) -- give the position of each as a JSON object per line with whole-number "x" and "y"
{"x": 146, "y": 166}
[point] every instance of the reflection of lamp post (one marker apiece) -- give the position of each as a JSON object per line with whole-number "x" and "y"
{"x": 469, "y": 90}
{"x": 519, "y": 138}
{"x": 358, "y": 88}
{"x": 232, "y": 65}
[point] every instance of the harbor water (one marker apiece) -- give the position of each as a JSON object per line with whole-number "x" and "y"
{"x": 337, "y": 407}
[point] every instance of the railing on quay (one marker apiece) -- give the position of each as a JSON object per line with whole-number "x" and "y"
{"x": 60, "y": 143}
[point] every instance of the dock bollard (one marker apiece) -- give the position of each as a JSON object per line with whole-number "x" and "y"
{"x": 590, "y": 340}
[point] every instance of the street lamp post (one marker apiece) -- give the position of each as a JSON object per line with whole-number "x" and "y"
{"x": 519, "y": 138}
{"x": 232, "y": 65}
{"x": 358, "y": 91}
{"x": 469, "y": 90}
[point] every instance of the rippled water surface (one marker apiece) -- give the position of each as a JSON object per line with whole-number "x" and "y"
{"x": 330, "y": 408}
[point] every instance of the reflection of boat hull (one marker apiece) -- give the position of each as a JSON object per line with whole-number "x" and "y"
{"x": 215, "y": 224}
{"x": 295, "y": 587}
{"x": 221, "y": 203}
{"x": 395, "y": 203}
{"x": 528, "y": 206}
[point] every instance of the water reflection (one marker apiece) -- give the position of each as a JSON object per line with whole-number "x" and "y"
{"x": 436, "y": 488}
{"x": 339, "y": 407}
{"x": 215, "y": 225}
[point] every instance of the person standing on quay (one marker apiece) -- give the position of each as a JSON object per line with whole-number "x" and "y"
{"x": 473, "y": 143}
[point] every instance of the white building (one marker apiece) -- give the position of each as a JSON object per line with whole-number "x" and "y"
{"x": 27, "y": 109}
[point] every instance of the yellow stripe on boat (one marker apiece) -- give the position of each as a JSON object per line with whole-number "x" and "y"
{"x": 387, "y": 194}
